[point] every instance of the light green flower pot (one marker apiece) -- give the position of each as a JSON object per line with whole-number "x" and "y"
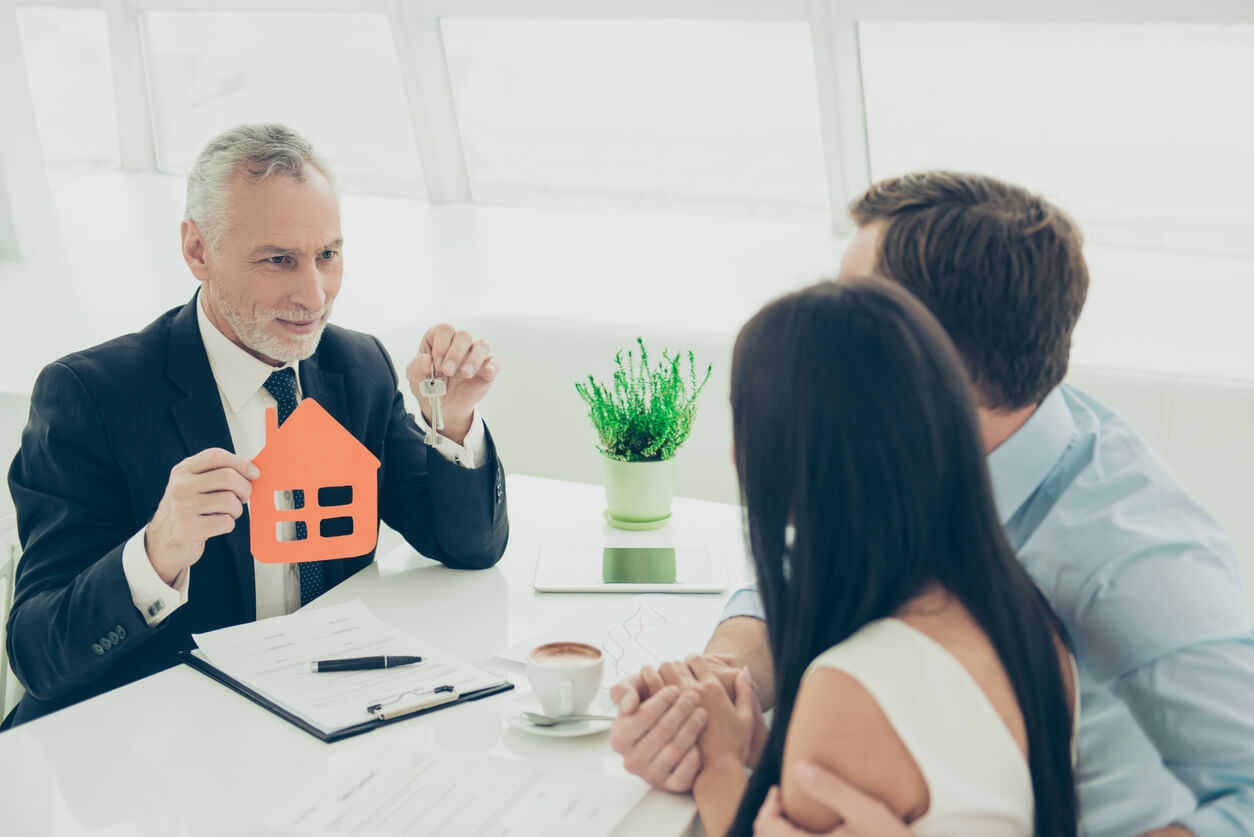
{"x": 638, "y": 493}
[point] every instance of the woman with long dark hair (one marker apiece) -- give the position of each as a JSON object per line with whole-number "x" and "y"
{"x": 913, "y": 655}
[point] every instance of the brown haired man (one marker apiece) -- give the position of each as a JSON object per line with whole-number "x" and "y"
{"x": 1144, "y": 580}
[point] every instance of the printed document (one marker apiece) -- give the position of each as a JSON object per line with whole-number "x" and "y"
{"x": 273, "y": 656}
{"x": 446, "y": 794}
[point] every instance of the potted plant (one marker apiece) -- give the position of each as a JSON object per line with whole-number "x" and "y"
{"x": 642, "y": 419}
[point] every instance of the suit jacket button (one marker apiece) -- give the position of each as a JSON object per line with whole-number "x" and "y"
{"x": 120, "y": 631}
{"x": 114, "y": 638}
{"x": 105, "y": 643}
{"x": 95, "y": 646}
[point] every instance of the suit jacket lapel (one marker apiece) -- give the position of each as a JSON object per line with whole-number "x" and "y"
{"x": 202, "y": 424}
{"x": 327, "y": 388}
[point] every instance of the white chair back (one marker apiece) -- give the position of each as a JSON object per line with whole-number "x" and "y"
{"x": 1203, "y": 428}
{"x": 11, "y": 691}
{"x": 14, "y": 411}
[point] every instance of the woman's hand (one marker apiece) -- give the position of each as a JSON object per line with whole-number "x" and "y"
{"x": 862, "y": 815}
{"x": 730, "y": 718}
{"x": 724, "y": 744}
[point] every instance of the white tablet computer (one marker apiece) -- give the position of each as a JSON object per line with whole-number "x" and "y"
{"x": 628, "y": 569}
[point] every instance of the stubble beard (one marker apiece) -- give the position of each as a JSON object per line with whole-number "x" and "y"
{"x": 254, "y": 331}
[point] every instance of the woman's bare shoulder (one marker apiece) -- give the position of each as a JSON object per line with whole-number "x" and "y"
{"x": 838, "y": 724}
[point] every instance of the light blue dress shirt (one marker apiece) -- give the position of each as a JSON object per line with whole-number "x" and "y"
{"x": 1147, "y": 585}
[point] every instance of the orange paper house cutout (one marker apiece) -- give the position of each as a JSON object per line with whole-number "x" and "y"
{"x": 312, "y": 452}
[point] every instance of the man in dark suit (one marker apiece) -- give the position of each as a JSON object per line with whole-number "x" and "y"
{"x": 135, "y": 464}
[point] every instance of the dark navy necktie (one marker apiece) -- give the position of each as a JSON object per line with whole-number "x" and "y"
{"x": 282, "y": 385}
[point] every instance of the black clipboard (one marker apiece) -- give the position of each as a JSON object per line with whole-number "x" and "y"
{"x": 209, "y": 669}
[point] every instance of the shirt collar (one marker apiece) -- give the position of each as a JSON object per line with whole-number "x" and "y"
{"x": 238, "y": 374}
{"x": 1021, "y": 463}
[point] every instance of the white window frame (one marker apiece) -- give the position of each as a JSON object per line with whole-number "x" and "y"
{"x": 26, "y": 216}
{"x": 415, "y": 26}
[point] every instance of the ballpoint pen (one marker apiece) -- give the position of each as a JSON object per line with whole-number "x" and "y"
{"x": 363, "y": 663}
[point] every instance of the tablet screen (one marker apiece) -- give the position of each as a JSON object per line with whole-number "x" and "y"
{"x": 638, "y": 565}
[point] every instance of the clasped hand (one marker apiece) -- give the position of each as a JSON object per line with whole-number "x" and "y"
{"x": 704, "y": 713}
{"x": 683, "y": 717}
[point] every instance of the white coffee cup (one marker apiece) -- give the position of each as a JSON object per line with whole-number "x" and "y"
{"x": 565, "y": 676}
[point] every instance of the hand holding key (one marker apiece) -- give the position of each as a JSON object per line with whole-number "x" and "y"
{"x": 468, "y": 368}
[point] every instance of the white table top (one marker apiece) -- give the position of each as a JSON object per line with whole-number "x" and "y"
{"x": 178, "y": 754}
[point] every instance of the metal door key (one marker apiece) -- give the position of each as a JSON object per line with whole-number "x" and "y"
{"x": 433, "y": 389}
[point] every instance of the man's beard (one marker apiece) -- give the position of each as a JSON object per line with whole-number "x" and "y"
{"x": 254, "y": 334}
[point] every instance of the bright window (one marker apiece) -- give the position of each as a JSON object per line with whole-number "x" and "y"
{"x": 332, "y": 77}
{"x": 71, "y": 84}
{"x": 1141, "y": 131}
{"x": 660, "y": 111}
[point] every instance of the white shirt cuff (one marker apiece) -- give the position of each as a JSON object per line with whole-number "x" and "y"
{"x": 468, "y": 454}
{"x": 153, "y": 598}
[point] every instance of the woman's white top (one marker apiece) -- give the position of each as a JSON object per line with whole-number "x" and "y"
{"x": 977, "y": 777}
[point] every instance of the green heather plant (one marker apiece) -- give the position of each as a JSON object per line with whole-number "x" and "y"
{"x": 646, "y": 414}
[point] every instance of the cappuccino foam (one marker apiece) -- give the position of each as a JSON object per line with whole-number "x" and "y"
{"x": 565, "y": 654}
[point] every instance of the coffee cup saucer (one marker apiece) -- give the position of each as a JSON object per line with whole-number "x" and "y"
{"x": 519, "y": 702}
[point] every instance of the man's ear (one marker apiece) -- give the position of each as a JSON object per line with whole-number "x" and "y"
{"x": 195, "y": 250}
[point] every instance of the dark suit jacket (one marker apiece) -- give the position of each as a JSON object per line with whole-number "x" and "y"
{"x": 107, "y": 425}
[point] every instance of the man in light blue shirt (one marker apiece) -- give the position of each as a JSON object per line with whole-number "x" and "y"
{"x": 1148, "y": 588}
{"x": 1144, "y": 580}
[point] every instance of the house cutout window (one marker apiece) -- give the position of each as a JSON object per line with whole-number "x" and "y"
{"x": 335, "y": 495}
{"x": 285, "y": 500}
{"x": 335, "y": 527}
